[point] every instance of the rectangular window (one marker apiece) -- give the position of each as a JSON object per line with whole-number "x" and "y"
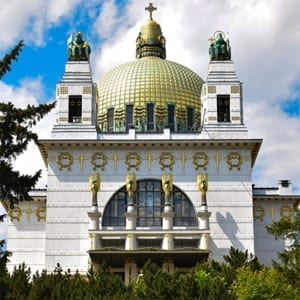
{"x": 129, "y": 117}
{"x": 223, "y": 108}
{"x": 190, "y": 119}
{"x": 75, "y": 108}
{"x": 171, "y": 117}
{"x": 150, "y": 116}
{"x": 110, "y": 120}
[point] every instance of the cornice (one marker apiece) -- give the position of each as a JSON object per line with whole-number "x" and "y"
{"x": 151, "y": 144}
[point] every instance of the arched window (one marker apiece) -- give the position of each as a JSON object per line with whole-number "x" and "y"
{"x": 149, "y": 199}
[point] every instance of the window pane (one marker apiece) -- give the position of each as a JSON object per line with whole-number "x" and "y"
{"x": 149, "y": 200}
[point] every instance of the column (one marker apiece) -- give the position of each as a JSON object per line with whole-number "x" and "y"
{"x": 167, "y": 218}
{"x": 94, "y": 216}
{"x": 131, "y": 271}
{"x": 168, "y": 265}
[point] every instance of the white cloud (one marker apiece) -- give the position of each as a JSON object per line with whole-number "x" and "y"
{"x": 29, "y": 92}
{"x": 28, "y": 21}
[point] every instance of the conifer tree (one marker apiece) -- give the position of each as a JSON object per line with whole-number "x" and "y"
{"x": 15, "y": 135}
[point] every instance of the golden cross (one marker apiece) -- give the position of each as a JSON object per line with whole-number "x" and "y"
{"x": 183, "y": 159}
{"x": 28, "y": 212}
{"x": 258, "y": 212}
{"x": 217, "y": 160}
{"x": 115, "y": 158}
{"x": 149, "y": 158}
{"x": 272, "y": 211}
{"x": 211, "y": 39}
{"x": 150, "y": 8}
{"x": 81, "y": 159}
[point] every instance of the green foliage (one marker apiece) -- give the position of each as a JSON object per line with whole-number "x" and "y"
{"x": 238, "y": 258}
{"x": 5, "y": 63}
{"x": 266, "y": 283}
{"x": 213, "y": 280}
{"x": 289, "y": 230}
{"x": 105, "y": 284}
{"x": 19, "y": 283}
{"x": 209, "y": 280}
{"x": 15, "y": 135}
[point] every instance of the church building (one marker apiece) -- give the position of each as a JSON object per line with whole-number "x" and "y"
{"x": 148, "y": 162}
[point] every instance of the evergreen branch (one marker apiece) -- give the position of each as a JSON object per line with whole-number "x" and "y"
{"x": 5, "y": 63}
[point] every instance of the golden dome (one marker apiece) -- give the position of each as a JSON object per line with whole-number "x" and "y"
{"x": 148, "y": 80}
{"x": 150, "y": 93}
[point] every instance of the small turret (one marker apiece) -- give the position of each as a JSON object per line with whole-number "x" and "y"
{"x": 150, "y": 41}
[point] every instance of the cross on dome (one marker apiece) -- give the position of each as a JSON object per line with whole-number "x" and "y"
{"x": 151, "y": 8}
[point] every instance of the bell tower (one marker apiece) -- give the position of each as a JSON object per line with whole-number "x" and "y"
{"x": 222, "y": 92}
{"x": 76, "y": 94}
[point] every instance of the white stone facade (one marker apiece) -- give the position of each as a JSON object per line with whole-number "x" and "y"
{"x": 76, "y": 150}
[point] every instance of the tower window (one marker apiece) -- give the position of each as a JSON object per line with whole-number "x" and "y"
{"x": 150, "y": 116}
{"x": 190, "y": 119}
{"x": 110, "y": 120}
{"x": 223, "y": 108}
{"x": 75, "y": 109}
{"x": 129, "y": 117}
{"x": 171, "y": 115}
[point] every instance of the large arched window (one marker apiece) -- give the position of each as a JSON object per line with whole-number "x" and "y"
{"x": 149, "y": 199}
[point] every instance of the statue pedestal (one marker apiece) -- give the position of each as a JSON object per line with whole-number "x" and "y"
{"x": 94, "y": 216}
{"x": 168, "y": 242}
{"x": 130, "y": 242}
{"x": 204, "y": 242}
{"x": 131, "y": 217}
{"x": 167, "y": 218}
{"x": 203, "y": 216}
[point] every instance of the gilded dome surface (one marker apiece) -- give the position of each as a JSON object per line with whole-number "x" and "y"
{"x": 150, "y": 93}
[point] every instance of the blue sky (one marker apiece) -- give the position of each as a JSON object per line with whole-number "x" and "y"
{"x": 265, "y": 41}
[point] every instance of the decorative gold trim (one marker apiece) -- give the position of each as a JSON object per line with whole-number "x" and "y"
{"x": 217, "y": 159}
{"x": 28, "y": 211}
{"x": 63, "y": 90}
{"x": 166, "y": 160}
{"x": 286, "y": 211}
{"x": 86, "y": 119}
{"x": 130, "y": 181}
{"x": 149, "y": 158}
{"x": 235, "y": 118}
{"x": 115, "y": 159}
{"x": 235, "y": 89}
{"x": 15, "y": 213}
{"x": 41, "y": 213}
{"x": 87, "y": 90}
{"x": 200, "y": 160}
{"x": 258, "y": 213}
{"x": 234, "y": 160}
{"x": 64, "y": 156}
{"x": 211, "y": 89}
{"x": 99, "y": 160}
{"x": 272, "y": 212}
{"x": 183, "y": 159}
{"x": 133, "y": 160}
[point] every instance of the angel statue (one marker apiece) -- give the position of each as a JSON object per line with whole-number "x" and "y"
{"x": 94, "y": 181}
{"x": 202, "y": 183}
{"x": 167, "y": 186}
{"x": 130, "y": 186}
